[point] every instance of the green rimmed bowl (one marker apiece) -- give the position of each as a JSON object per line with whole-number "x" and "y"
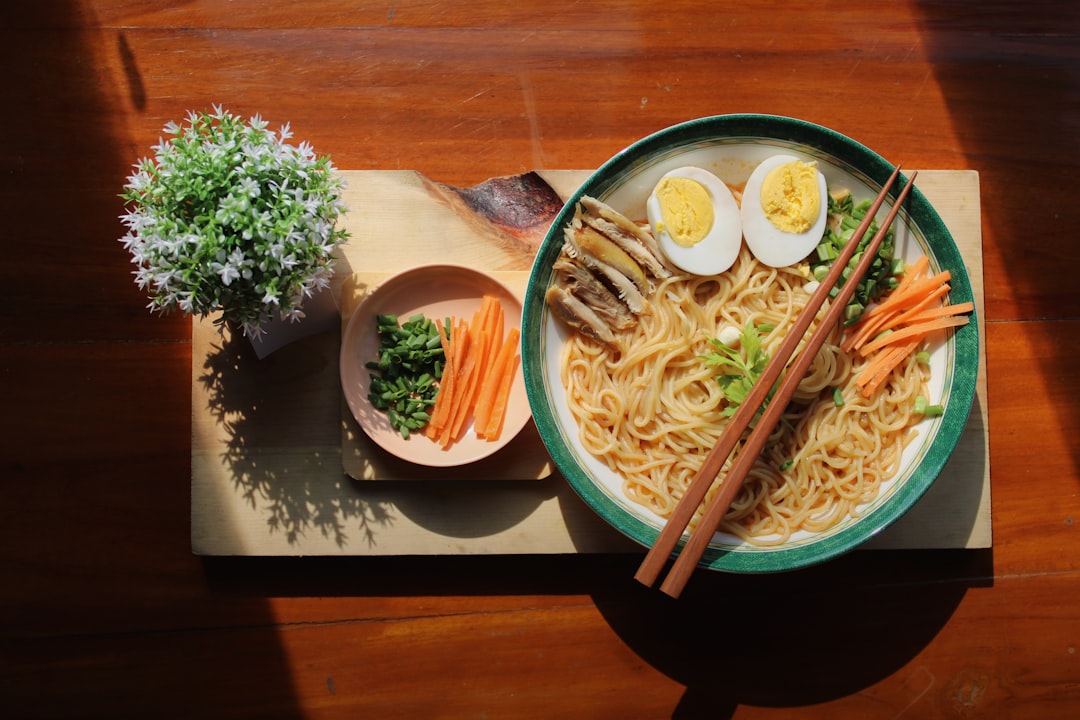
{"x": 731, "y": 146}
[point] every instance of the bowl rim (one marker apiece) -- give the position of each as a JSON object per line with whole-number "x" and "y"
{"x": 853, "y": 157}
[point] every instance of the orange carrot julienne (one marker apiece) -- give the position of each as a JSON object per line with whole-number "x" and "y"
{"x": 462, "y": 341}
{"x": 506, "y": 381}
{"x": 874, "y": 318}
{"x": 489, "y": 382}
{"x": 917, "y": 268}
{"x": 449, "y": 390}
{"x": 471, "y": 368}
{"x": 472, "y": 374}
{"x": 885, "y": 319}
{"x": 894, "y": 328}
{"x": 882, "y": 365}
{"x": 903, "y": 297}
{"x": 490, "y": 309}
{"x": 937, "y": 312}
{"x": 442, "y": 398}
{"x": 485, "y": 404}
{"x": 919, "y": 331}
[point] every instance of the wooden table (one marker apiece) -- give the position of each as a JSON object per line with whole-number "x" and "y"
{"x": 107, "y": 612}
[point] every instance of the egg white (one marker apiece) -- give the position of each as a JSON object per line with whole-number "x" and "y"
{"x": 717, "y": 251}
{"x": 770, "y": 245}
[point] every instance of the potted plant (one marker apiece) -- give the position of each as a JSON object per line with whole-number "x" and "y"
{"x": 228, "y": 216}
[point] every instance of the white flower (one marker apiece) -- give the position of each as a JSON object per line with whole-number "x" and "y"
{"x": 260, "y": 234}
{"x": 271, "y": 297}
{"x": 228, "y": 273}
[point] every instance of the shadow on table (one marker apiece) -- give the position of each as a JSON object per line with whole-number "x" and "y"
{"x": 794, "y": 639}
{"x": 121, "y": 622}
{"x": 779, "y": 641}
{"x": 276, "y": 428}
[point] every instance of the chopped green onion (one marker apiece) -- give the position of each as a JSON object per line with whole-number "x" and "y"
{"x": 879, "y": 279}
{"x": 403, "y": 381}
{"x": 924, "y": 408}
{"x": 787, "y": 465}
{"x": 838, "y": 397}
{"x": 922, "y": 357}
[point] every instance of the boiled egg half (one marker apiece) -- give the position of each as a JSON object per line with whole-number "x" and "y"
{"x": 695, "y": 219}
{"x": 784, "y": 210}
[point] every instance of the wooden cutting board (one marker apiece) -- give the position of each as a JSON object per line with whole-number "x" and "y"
{"x": 268, "y": 473}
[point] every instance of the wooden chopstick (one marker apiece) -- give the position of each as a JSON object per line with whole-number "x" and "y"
{"x": 669, "y": 536}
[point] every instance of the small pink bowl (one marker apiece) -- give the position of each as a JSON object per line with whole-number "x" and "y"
{"x": 436, "y": 291}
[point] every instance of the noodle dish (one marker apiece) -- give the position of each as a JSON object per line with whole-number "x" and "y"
{"x": 667, "y": 281}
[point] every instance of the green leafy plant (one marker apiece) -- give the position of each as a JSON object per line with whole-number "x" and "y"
{"x": 743, "y": 365}
{"x": 229, "y": 216}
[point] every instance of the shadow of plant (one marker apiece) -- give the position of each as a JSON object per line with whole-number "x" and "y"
{"x": 277, "y": 421}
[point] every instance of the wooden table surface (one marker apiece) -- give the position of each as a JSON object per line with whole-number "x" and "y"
{"x": 106, "y": 612}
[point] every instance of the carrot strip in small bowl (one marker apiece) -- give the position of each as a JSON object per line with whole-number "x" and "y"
{"x": 506, "y": 381}
{"x": 494, "y": 398}
{"x": 478, "y": 358}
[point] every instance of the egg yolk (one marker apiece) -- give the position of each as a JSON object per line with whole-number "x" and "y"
{"x": 790, "y": 196}
{"x": 686, "y": 210}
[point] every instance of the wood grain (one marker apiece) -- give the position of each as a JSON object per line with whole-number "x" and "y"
{"x": 104, "y": 612}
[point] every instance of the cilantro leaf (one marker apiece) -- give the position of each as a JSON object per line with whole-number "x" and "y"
{"x": 742, "y": 365}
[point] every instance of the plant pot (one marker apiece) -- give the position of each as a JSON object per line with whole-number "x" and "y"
{"x": 321, "y": 314}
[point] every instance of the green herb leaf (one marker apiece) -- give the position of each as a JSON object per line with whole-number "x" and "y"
{"x": 746, "y": 362}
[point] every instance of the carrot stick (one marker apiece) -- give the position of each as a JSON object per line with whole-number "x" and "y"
{"x": 912, "y": 291}
{"x": 506, "y": 381}
{"x": 882, "y": 366}
{"x": 489, "y": 310}
{"x": 442, "y": 398}
{"x": 463, "y": 343}
{"x": 941, "y": 311}
{"x": 887, "y": 320}
{"x": 485, "y": 402}
{"x": 490, "y": 379}
{"x": 477, "y": 360}
{"x": 448, "y": 391}
{"x": 470, "y": 369}
{"x": 895, "y": 327}
{"x": 912, "y": 331}
{"x": 900, "y": 316}
{"x": 912, "y": 294}
{"x": 917, "y": 268}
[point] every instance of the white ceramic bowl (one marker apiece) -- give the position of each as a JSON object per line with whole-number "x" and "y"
{"x": 731, "y": 145}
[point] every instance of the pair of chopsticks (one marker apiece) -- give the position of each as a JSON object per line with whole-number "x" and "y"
{"x": 695, "y": 547}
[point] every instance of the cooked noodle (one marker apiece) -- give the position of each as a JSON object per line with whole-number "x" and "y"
{"x": 653, "y": 409}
